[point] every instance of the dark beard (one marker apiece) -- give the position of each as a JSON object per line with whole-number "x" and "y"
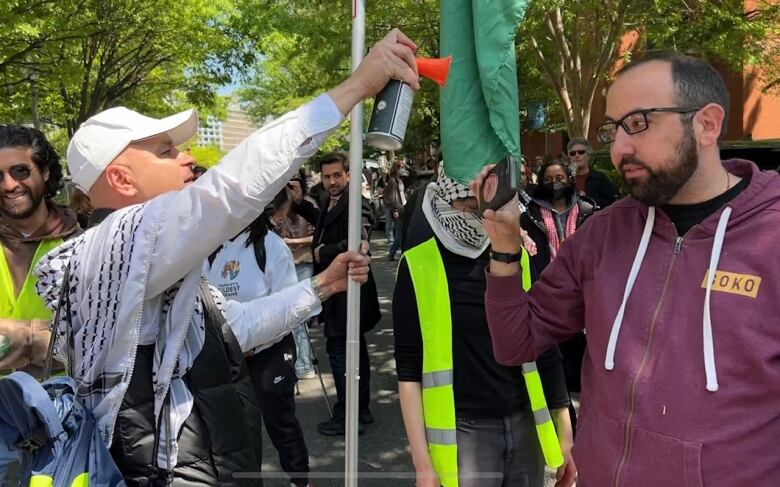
{"x": 36, "y": 199}
{"x": 661, "y": 185}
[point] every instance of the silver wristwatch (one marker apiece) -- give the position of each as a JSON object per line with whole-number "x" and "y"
{"x": 315, "y": 287}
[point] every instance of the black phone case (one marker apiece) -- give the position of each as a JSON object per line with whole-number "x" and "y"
{"x": 506, "y": 185}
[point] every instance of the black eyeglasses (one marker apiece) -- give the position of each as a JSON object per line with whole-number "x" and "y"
{"x": 635, "y": 122}
{"x": 19, "y": 172}
{"x": 573, "y": 153}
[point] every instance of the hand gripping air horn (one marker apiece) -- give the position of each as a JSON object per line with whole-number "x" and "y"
{"x": 393, "y": 105}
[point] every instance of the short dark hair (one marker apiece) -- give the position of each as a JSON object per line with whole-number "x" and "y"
{"x": 332, "y": 158}
{"x": 43, "y": 154}
{"x": 696, "y": 82}
{"x": 567, "y": 167}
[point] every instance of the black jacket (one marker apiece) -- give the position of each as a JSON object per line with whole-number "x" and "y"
{"x": 600, "y": 189}
{"x": 330, "y": 230}
{"x": 392, "y": 195}
{"x": 221, "y": 435}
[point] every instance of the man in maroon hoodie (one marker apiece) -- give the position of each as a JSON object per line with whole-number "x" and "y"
{"x": 678, "y": 291}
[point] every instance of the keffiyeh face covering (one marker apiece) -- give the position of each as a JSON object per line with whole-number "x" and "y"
{"x": 461, "y": 232}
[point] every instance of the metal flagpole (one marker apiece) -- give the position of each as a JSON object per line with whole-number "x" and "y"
{"x": 353, "y": 289}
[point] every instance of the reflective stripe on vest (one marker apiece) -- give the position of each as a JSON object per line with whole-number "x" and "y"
{"x": 426, "y": 269}
{"x": 27, "y": 305}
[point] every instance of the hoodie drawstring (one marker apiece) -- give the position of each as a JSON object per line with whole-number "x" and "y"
{"x": 609, "y": 363}
{"x": 709, "y": 349}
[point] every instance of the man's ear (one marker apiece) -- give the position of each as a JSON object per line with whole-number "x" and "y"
{"x": 121, "y": 180}
{"x": 707, "y": 124}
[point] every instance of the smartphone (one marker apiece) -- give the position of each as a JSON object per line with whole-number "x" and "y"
{"x": 499, "y": 186}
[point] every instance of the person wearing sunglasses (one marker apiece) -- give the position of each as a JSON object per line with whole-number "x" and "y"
{"x": 30, "y": 225}
{"x": 676, "y": 287}
{"x": 590, "y": 182}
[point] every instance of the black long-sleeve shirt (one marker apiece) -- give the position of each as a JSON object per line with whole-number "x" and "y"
{"x": 482, "y": 387}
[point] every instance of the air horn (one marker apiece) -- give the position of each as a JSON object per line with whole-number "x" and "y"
{"x": 393, "y": 105}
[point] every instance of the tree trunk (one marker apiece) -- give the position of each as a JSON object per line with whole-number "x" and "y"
{"x": 575, "y": 56}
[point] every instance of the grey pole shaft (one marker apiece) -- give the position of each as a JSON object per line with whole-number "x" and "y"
{"x": 353, "y": 242}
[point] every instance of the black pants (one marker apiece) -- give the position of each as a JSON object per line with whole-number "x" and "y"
{"x": 499, "y": 452}
{"x": 273, "y": 375}
{"x": 336, "y": 346}
{"x": 573, "y": 351}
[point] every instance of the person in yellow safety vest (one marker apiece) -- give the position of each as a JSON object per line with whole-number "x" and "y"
{"x": 470, "y": 421}
{"x": 30, "y": 226}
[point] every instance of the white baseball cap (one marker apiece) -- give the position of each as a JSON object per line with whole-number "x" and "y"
{"x": 101, "y": 138}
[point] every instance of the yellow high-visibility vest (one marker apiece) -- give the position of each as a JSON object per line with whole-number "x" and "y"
{"x": 27, "y": 305}
{"x": 429, "y": 279}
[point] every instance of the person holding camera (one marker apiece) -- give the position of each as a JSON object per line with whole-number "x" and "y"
{"x": 673, "y": 287}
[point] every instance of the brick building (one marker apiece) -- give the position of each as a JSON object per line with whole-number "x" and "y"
{"x": 754, "y": 115}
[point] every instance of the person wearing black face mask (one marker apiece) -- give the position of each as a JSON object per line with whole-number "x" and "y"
{"x": 554, "y": 213}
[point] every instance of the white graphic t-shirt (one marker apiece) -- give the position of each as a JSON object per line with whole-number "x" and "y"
{"x": 236, "y": 274}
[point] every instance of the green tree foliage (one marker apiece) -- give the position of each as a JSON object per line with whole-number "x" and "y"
{"x": 306, "y": 50}
{"x": 205, "y": 155}
{"x": 78, "y": 57}
{"x": 574, "y": 43}
{"x": 724, "y": 30}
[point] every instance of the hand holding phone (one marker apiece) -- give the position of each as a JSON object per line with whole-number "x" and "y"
{"x": 499, "y": 186}
{"x": 499, "y": 206}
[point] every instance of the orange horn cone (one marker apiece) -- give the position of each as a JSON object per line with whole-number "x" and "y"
{"x": 435, "y": 69}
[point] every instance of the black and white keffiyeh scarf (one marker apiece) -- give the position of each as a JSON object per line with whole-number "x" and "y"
{"x": 460, "y": 232}
{"x": 112, "y": 316}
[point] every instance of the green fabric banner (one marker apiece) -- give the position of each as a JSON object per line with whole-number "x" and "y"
{"x": 480, "y": 120}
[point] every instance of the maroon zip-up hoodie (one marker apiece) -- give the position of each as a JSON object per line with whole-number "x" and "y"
{"x": 660, "y": 417}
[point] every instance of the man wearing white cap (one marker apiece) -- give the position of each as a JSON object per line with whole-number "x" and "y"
{"x": 151, "y": 359}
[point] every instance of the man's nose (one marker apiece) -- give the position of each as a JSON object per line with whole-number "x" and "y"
{"x": 186, "y": 159}
{"x": 8, "y": 184}
{"x": 621, "y": 147}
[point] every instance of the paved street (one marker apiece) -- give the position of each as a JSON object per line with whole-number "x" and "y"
{"x": 384, "y": 460}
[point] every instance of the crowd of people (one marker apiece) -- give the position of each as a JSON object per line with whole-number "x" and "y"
{"x": 189, "y": 296}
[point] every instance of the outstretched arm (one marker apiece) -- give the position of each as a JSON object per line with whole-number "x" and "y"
{"x": 265, "y": 319}
{"x": 230, "y": 196}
